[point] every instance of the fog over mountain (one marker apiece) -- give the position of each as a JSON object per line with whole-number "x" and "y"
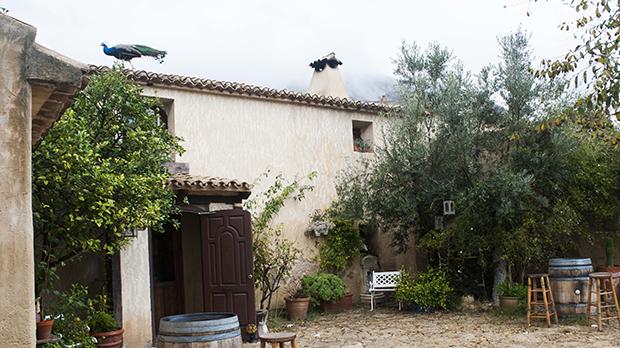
{"x": 360, "y": 87}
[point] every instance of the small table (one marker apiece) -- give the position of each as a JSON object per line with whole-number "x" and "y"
{"x": 276, "y": 338}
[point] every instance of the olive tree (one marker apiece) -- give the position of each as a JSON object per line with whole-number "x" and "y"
{"x": 518, "y": 188}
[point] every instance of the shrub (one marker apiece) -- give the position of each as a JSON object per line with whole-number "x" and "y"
{"x": 429, "y": 290}
{"x": 323, "y": 287}
{"x": 68, "y": 325}
{"x": 510, "y": 289}
{"x": 343, "y": 243}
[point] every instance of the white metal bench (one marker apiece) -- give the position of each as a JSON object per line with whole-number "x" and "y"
{"x": 383, "y": 281}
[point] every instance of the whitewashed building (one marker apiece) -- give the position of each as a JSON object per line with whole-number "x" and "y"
{"x": 235, "y": 130}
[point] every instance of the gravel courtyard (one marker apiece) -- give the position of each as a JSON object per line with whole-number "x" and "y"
{"x": 390, "y": 328}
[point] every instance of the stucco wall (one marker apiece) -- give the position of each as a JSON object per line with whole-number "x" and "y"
{"x": 17, "y": 319}
{"x": 136, "y": 292}
{"x": 240, "y": 137}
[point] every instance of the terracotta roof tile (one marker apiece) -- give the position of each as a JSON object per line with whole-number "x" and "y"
{"x": 151, "y": 78}
{"x": 206, "y": 184}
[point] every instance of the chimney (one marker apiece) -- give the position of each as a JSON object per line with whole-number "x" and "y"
{"x": 326, "y": 79}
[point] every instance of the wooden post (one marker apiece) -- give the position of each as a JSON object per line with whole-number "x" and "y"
{"x": 598, "y": 304}
{"x": 589, "y": 299}
{"x": 544, "y": 291}
{"x": 529, "y": 301}
{"x": 555, "y": 310}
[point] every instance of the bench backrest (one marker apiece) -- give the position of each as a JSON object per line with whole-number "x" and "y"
{"x": 384, "y": 280}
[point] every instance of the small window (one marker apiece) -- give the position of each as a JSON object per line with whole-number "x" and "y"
{"x": 362, "y": 136}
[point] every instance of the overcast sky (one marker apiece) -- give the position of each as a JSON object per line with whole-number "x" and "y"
{"x": 271, "y": 42}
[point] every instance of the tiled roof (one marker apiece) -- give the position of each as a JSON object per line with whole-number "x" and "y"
{"x": 242, "y": 89}
{"x": 207, "y": 184}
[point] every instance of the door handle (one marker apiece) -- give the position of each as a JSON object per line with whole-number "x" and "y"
{"x": 250, "y": 276}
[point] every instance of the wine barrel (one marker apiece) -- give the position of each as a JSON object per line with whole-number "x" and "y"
{"x": 569, "y": 283}
{"x": 200, "y": 330}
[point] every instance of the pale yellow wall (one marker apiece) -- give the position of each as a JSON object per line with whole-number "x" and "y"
{"x": 237, "y": 137}
{"x": 17, "y": 311}
{"x": 240, "y": 137}
{"x": 136, "y": 292}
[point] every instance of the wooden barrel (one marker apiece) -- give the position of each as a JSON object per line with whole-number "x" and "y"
{"x": 569, "y": 283}
{"x": 200, "y": 330}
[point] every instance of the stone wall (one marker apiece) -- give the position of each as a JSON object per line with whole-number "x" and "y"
{"x": 36, "y": 85}
{"x": 17, "y": 322}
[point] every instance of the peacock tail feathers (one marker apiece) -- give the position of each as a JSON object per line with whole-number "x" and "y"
{"x": 151, "y": 52}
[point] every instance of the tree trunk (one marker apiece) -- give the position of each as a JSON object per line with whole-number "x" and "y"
{"x": 499, "y": 273}
{"x": 610, "y": 251}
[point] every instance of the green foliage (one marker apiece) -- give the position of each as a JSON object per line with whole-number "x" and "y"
{"x": 343, "y": 243}
{"x": 274, "y": 255}
{"x": 510, "y": 289}
{"x": 429, "y": 290}
{"x": 69, "y": 309}
{"x": 325, "y": 287}
{"x": 593, "y": 62}
{"x": 102, "y": 322}
{"x": 522, "y": 192}
{"x": 100, "y": 318}
{"x": 99, "y": 172}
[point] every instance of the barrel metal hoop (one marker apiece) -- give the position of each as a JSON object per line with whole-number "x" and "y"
{"x": 190, "y": 339}
{"x": 188, "y": 332}
{"x": 570, "y": 262}
{"x": 569, "y": 279}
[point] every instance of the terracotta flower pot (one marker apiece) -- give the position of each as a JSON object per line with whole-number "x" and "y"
{"x": 297, "y": 307}
{"x": 110, "y": 339}
{"x": 333, "y": 307}
{"x": 44, "y": 329}
{"x": 508, "y": 302}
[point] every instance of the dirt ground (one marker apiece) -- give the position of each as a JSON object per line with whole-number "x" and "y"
{"x": 390, "y": 328}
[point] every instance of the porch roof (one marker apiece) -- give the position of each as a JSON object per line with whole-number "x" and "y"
{"x": 209, "y": 185}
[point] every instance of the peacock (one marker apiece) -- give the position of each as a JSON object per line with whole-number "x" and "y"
{"x": 129, "y": 52}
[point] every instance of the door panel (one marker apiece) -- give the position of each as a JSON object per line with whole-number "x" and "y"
{"x": 227, "y": 254}
{"x": 167, "y": 266}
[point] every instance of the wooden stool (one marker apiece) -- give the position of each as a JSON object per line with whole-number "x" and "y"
{"x": 600, "y": 284}
{"x": 539, "y": 284}
{"x": 276, "y": 338}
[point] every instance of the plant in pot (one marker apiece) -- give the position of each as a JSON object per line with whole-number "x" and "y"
{"x": 510, "y": 294}
{"x": 44, "y": 277}
{"x": 328, "y": 291}
{"x": 103, "y": 327}
{"x": 297, "y": 305}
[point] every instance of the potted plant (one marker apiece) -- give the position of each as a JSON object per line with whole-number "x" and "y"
{"x": 44, "y": 278}
{"x": 297, "y": 305}
{"x": 511, "y": 293}
{"x": 44, "y": 328}
{"x": 103, "y": 327}
{"x": 328, "y": 291}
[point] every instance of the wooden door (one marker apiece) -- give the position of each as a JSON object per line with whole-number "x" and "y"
{"x": 227, "y": 264}
{"x": 167, "y": 266}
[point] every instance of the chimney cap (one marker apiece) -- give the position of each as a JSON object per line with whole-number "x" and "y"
{"x": 330, "y": 60}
